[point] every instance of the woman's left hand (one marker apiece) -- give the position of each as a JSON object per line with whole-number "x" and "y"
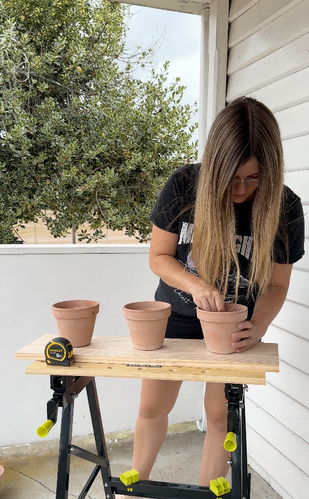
{"x": 248, "y": 336}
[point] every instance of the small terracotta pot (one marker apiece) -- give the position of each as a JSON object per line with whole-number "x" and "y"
{"x": 1, "y": 474}
{"x": 218, "y": 327}
{"x": 147, "y": 321}
{"x": 75, "y": 320}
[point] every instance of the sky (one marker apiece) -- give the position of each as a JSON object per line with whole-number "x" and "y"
{"x": 179, "y": 43}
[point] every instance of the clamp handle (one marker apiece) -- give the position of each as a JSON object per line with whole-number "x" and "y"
{"x": 52, "y": 411}
{"x": 230, "y": 442}
{"x": 45, "y": 428}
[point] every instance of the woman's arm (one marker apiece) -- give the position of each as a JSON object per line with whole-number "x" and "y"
{"x": 162, "y": 262}
{"x": 266, "y": 308}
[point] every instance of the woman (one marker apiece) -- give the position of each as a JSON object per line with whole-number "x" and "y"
{"x": 248, "y": 231}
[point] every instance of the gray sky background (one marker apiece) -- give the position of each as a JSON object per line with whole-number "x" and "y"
{"x": 180, "y": 43}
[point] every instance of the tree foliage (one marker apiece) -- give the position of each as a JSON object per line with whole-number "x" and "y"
{"x": 80, "y": 136}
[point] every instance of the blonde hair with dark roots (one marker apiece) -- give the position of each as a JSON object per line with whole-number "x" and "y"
{"x": 245, "y": 129}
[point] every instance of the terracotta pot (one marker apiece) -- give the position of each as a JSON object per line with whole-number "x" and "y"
{"x": 75, "y": 320}
{"x": 218, "y": 327}
{"x": 1, "y": 474}
{"x": 147, "y": 322}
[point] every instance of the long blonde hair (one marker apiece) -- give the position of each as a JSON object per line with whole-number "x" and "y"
{"x": 245, "y": 129}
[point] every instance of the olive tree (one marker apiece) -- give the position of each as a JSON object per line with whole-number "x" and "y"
{"x": 82, "y": 140}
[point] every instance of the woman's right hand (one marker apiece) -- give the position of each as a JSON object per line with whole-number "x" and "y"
{"x": 163, "y": 262}
{"x": 206, "y": 297}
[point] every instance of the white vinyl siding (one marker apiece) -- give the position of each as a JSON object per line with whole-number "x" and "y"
{"x": 269, "y": 60}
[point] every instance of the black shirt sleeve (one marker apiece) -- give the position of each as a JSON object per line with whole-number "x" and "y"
{"x": 289, "y": 242}
{"x": 176, "y": 196}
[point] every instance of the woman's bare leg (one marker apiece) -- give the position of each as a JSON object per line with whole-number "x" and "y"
{"x": 214, "y": 458}
{"x": 157, "y": 400}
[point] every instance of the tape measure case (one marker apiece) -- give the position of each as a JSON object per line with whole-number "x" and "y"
{"x": 59, "y": 351}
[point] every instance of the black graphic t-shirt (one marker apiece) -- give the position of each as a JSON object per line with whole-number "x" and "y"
{"x": 174, "y": 212}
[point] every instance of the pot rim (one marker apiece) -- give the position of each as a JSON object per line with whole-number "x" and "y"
{"x": 223, "y": 317}
{"x": 58, "y": 305}
{"x": 240, "y": 310}
{"x": 162, "y": 305}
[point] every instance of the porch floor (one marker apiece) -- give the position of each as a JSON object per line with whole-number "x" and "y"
{"x": 32, "y": 475}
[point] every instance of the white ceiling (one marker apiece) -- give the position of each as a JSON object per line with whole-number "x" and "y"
{"x": 185, "y": 6}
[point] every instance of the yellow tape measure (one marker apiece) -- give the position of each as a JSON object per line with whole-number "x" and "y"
{"x": 59, "y": 351}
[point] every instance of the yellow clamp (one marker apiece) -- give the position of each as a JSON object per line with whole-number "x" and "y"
{"x": 129, "y": 477}
{"x": 230, "y": 442}
{"x": 45, "y": 428}
{"x": 220, "y": 486}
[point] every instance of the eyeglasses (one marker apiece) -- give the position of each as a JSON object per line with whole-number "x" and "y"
{"x": 249, "y": 182}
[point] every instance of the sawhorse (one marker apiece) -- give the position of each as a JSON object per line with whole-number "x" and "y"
{"x": 179, "y": 360}
{"x": 67, "y": 388}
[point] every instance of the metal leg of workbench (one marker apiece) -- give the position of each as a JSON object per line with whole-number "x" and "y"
{"x": 246, "y": 477}
{"x": 99, "y": 433}
{"x": 64, "y": 454}
{"x": 240, "y": 477}
{"x": 68, "y": 388}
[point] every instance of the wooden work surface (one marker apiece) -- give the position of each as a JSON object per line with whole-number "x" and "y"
{"x": 176, "y": 360}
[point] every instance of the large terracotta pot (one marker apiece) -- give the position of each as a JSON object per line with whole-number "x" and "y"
{"x": 147, "y": 321}
{"x": 218, "y": 327}
{"x": 75, "y": 320}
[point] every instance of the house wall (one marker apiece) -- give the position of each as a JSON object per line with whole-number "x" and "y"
{"x": 269, "y": 60}
{"x": 32, "y": 278}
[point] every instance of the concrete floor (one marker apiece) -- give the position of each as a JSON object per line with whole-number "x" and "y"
{"x": 30, "y": 471}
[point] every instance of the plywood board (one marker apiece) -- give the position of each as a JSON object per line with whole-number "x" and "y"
{"x": 156, "y": 372}
{"x": 174, "y": 353}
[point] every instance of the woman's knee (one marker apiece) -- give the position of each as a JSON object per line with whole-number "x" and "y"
{"x": 158, "y": 398}
{"x": 149, "y": 411}
{"x": 215, "y": 406}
